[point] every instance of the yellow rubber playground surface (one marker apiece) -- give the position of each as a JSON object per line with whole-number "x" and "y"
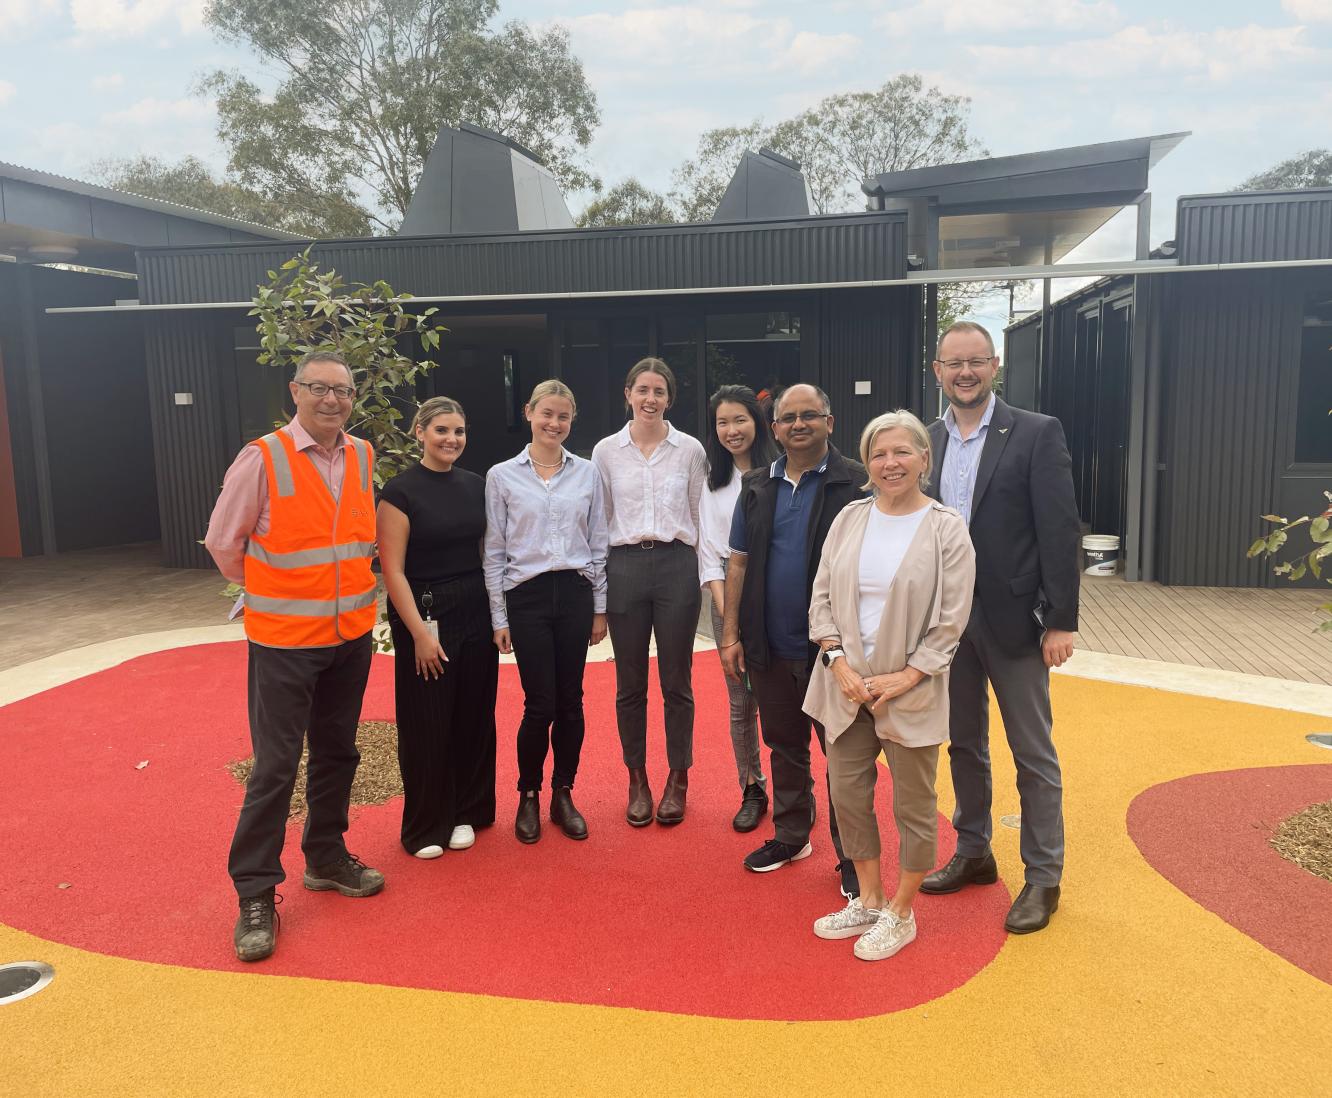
{"x": 1141, "y": 985}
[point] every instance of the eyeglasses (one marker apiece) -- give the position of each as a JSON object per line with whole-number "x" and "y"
{"x": 955, "y": 364}
{"x": 319, "y": 390}
{"x": 790, "y": 418}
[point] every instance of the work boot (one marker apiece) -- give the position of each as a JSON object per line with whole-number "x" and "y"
{"x": 564, "y": 815}
{"x": 256, "y": 931}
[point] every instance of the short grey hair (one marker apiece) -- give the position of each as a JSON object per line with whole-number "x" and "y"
{"x": 824, "y": 402}
{"x": 920, "y": 438}
{"x": 321, "y": 356}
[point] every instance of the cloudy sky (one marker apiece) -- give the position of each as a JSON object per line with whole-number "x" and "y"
{"x": 83, "y": 79}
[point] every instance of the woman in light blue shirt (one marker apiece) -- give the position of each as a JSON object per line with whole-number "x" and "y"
{"x": 545, "y": 569}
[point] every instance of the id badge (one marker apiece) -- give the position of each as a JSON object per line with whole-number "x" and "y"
{"x": 432, "y": 627}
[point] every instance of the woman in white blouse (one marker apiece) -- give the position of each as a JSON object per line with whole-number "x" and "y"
{"x": 652, "y": 476}
{"x": 738, "y": 441}
{"x": 891, "y": 598}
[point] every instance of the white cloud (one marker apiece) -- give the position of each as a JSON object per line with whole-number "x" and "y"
{"x": 1217, "y": 54}
{"x": 108, "y": 82}
{"x": 19, "y": 15}
{"x": 997, "y": 16}
{"x": 132, "y": 18}
{"x": 1309, "y": 11}
{"x": 152, "y": 112}
{"x": 7, "y": 91}
{"x": 810, "y": 53}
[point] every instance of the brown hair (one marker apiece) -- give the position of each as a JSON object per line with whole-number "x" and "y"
{"x": 964, "y": 326}
{"x": 651, "y": 366}
{"x": 437, "y": 406}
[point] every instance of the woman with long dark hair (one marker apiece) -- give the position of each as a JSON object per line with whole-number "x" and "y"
{"x": 546, "y": 574}
{"x": 652, "y": 478}
{"x": 739, "y": 440}
{"x": 431, "y": 519}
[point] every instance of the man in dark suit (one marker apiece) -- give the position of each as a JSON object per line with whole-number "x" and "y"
{"x": 1008, "y": 472}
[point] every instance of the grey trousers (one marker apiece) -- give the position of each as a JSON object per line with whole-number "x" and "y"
{"x": 780, "y": 690}
{"x": 744, "y": 720}
{"x": 1022, "y": 687}
{"x": 654, "y": 591}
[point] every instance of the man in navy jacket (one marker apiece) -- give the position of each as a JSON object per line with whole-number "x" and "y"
{"x": 1008, "y": 472}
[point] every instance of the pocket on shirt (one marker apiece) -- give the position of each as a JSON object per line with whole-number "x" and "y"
{"x": 674, "y": 489}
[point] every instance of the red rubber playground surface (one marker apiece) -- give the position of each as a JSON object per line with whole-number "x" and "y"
{"x": 1186, "y": 958}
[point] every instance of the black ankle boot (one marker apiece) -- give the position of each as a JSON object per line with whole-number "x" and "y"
{"x": 564, "y": 815}
{"x": 527, "y": 825}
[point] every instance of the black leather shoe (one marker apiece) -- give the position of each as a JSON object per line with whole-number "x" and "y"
{"x": 639, "y": 812}
{"x": 753, "y": 808}
{"x": 961, "y": 871}
{"x": 527, "y": 825}
{"x": 1032, "y": 909}
{"x": 564, "y": 815}
{"x": 671, "y": 808}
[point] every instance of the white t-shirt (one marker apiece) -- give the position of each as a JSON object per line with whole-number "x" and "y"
{"x": 887, "y": 538}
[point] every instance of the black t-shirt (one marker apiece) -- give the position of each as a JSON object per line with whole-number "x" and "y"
{"x": 448, "y": 516}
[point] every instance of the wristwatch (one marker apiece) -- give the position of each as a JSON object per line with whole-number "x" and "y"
{"x": 831, "y": 654}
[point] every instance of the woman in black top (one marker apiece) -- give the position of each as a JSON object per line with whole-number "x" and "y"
{"x": 431, "y": 519}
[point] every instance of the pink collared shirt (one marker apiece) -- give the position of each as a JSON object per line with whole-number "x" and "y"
{"x": 242, "y": 509}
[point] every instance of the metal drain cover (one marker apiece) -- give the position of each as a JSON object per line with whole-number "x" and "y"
{"x": 1320, "y": 739}
{"x": 23, "y": 978}
{"x": 1014, "y": 821}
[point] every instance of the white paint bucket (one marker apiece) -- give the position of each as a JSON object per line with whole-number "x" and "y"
{"x": 1102, "y": 554}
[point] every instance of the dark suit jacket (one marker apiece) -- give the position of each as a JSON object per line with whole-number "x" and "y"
{"x": 1024, "y": 525}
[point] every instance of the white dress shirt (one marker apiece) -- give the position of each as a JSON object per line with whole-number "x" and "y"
{"x": 656, "y": 498}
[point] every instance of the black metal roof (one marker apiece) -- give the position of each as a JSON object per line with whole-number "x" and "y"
{"x": 1255, "y": 226}
{"x": 856, "y": 247}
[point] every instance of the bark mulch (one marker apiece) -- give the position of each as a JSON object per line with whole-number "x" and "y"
{"x": 1306, "y": 839}
{"x": 377, "y": 778}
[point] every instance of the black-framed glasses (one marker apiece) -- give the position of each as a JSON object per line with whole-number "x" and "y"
{"x": 955, "y": 364}
{"x": 789, "y": 420}
{"x": 319, "y": 390}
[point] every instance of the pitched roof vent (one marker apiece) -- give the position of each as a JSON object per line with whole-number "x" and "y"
{"x": 765, "y": 185}
{"x": 478, "y": 181}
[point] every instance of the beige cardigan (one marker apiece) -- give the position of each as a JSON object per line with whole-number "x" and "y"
{"x": 928, "y": 605}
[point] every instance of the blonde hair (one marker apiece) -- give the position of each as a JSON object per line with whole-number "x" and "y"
{"x": 552, "y": 387}
{"x": 886, "y": 422}
{"x": 437, "y": 406}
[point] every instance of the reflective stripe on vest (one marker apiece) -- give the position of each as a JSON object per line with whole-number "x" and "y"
{"x": 303, "y": 558}
{"x": 286, "y": 483}
{"x": 311, "y": 608}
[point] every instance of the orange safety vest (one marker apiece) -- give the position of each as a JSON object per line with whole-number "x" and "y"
{"x": 308, "y": 582}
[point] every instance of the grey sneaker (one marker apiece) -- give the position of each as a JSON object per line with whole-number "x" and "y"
{"x": 886, "y": 936}
{"x": 349, "y": 875}
{"x": 851, "y": 922}
{"x": 256, "y": 931}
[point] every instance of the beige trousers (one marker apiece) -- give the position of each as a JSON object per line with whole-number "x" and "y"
{"x": 852, "y": 775}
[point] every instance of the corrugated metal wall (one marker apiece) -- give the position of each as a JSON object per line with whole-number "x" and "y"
{"x": 854, "y": 247}
{"x": 189, "y": 446}
{"x": 865, "y": 335}
{"x": 1227, "y": 338}
{"x": 1242, "y": 227}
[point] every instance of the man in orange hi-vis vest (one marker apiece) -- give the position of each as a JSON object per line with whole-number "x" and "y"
{"x": 295, "y": 524}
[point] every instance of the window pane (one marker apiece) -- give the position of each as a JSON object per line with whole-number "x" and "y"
{"x": 679, "y": 348}
{"x": 1313, "y": 425}
{"x": 261, "y": 391}
{"x": 761, "y": 350}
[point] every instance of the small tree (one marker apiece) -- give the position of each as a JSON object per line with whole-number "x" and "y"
{"x": 303, "y": 308}
{"x": 1311, "y": 562}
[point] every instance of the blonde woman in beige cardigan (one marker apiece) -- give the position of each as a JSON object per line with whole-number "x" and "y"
{"x": 891, "y": 598}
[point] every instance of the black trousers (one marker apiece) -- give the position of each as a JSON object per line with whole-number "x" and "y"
{"x": 295, "y": 691}
{"x": 780, "y": 692}
{"x": 654, "y": 591}
{"x": 446, "y": 725}
{"x": 550, "y": 620}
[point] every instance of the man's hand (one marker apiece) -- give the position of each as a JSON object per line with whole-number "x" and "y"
{"x": 1057, "y": 647}
{"x": 733, "y": 660}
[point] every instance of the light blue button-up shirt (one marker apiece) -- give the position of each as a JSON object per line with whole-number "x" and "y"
{"x": 535, "y": 526}
{"x": 957, "y": 478}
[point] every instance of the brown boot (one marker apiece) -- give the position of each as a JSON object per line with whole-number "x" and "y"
{"x": 564, "y": 815}
{"x": 671, "y": 810}
{"x": 639, "y": 812}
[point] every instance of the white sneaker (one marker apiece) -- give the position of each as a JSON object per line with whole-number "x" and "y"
{"x": 432, "y": 851}
{"x": 463, "y": 836}
{"x": 886, "y": 936}
{"x": 851, "y": 922}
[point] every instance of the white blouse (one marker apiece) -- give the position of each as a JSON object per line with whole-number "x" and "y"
{"x": 715, "y": 512}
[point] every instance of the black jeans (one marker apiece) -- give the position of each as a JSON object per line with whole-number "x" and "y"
{"x": 550, "y": 620}
{"x": 292, "y": 690}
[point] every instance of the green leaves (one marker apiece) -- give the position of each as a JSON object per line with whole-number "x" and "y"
{"x": 1306, "y": 563}
{"x": 304, "y": 308}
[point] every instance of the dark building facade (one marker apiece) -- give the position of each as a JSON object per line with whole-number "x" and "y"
{"x": 1196, "y": 399}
